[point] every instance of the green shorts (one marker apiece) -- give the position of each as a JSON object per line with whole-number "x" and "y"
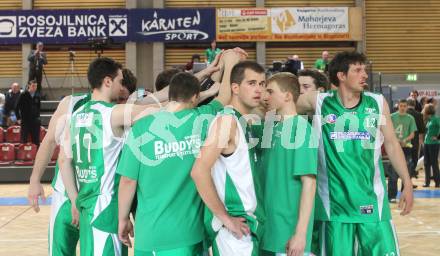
{"x": 360, "y": 239}
{"x": 98, "y": 229}
{"x": 192, "y": 250}
{"x": 63, "y": 236}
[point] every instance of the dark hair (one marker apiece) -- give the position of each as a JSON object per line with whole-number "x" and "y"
{"x": 164, "y": 78}
{"x": 195, "y": 56}
{"x": 237, "y": 73}
{"x": 319, "y": 79}
{"x": 101, "y": 68}
{"x": 31, "y": 82}
{"x": 415, "y": 91}
{"x": 411, "y": 102}
{"x": 341, "y": 63}
{"x": 129, "y": 81}
{"x": 403, "y": 101}
{"x": 429, "y": 109}
{"x": 287, "y": 82}
{"x": 183, "y": 86}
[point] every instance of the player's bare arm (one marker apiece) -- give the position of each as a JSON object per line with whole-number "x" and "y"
{"x": 55, "y": 128}
{"x": 127, "y": 190}
{"x": 221, "y": 140}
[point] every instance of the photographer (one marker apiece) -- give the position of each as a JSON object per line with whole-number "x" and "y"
{"x": 37, "y": 59}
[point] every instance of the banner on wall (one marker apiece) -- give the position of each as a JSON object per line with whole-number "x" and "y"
{"x": 283, "y": 24}
{"x": 175, "y": 25}
{"x": 120, "y": 25}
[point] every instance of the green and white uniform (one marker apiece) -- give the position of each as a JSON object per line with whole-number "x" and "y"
{"x": 290, "y": 157}
{"x": 61, "y": 216}
{"x": 237, "y": 184}
{"x": 159, "y": 154}
{"x": 95, "y": 155}
{"x": 351, "y": 204}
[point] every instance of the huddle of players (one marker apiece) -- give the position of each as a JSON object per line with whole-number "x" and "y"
{"x": 200, "y": 181}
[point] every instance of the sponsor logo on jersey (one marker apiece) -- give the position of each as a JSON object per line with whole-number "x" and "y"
{"x": 331, "y": 118}
{"x": 350, "y": 135}
{"x": 190, "y": 145}
{"x": 84, "y": 120}
{"x": 370, "y": 110}
{"x": 367, "y": 209}
{"x": 87, "y": 175}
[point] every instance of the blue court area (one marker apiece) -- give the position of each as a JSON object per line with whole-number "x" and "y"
{"x": 19, "y": 201}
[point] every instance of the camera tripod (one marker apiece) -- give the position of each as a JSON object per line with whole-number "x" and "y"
{"x": 71, "y": 72}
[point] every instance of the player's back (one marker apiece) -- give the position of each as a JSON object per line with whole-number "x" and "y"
{"x": 351, "y": 182}
{"x": 163, "y": 148}
{"x": 95, "y": 151}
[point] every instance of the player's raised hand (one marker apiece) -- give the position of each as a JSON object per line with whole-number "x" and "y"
{"x": 406, "y": 201}
{"x": 237, "y": 226}
{"x": 125, "y": 231}
{"x": 35, "y": 191}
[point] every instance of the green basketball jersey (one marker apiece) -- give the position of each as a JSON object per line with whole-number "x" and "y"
{"x": 351, "y": 181}
{"x": 76, "y": 101}
{"x": 236, "y": 180}
{"x": 159, "y": 153}
{"x": 404, "y": 125}
{"x": 290, "y": 157}
{"x": 95, "y": 152}
{"x": 432, "y": 130}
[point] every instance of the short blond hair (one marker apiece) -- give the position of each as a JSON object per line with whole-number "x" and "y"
{"x": 287, "y": 82}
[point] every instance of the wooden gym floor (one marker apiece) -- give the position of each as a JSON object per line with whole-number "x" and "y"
{"x": 24, "y": 232}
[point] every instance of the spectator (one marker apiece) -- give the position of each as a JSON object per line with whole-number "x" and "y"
{"x": 312, "y": 80}
{"x": 414, "y": 95}
{"x": 2, "y": 105}
{"x": 293, "y": 65}
{"x": 189, "y": 65}
{"x": 321, "y": 64}
{"x": 210, "y": 53}
{"x": 432, "y": 144}
{"x": 404, "y": 127}
{"x": 37, "y": 59}
{"x": 418, "y": 135}
{"x": 28, "y": 113}
{"x": 11, "y": 99}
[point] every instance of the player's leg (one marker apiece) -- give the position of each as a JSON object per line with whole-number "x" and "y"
{"x": 63, "y": 236}
{"x": 225, "y": 244}
{"x": 336, "y": 239}
{"x": 193, "y": 250}
{"x": 377, "y": 238}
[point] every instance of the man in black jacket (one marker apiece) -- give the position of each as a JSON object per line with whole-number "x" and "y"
{"x": 418, "y": 136}
{"x": 28, "y": 112}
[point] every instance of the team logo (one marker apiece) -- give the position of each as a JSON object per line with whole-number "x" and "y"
{"x": 370, "y": 110}
{"x": 331, "y": 118}
{"x": 118, "y": 25}
{"x": 8, "y": 26}
{"x": 284, "y": 21}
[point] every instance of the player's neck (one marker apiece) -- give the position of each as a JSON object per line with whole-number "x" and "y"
{"x": 239, "y": 106}
{"x": 348, "y": 98}
{"x": 288, "y": 110}
{"x": 100, "y": 96}
{"x": 174, "y": 106}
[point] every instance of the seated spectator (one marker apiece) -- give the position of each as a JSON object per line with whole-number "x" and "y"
{"x": 293, "y": 65}
{"x": 11, "y": 99}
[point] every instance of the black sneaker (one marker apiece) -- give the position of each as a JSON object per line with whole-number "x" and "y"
{"x": 426, "y": 186}
{"x": 392, "y": 201}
